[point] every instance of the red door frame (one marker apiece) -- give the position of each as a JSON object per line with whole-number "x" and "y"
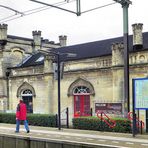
{"x": 79, "y": 105}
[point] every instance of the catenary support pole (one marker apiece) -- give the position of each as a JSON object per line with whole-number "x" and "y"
{"x": 125, "y": 5}
{"x": 126, "y": 58}
{"x": 59, "y": 93}
{"x": 133, "y": 106}
{"x": 78, "y": 7}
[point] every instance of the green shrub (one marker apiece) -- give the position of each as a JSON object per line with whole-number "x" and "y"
{"x": 33, "y": 119}
{"x": 7, "y": 118}
{"x": 122, "y": 125}
{"x": 42, "y": 120}
{"x": 94, "y": 123}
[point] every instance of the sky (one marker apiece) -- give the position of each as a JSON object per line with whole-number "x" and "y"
{"x": 103, "y": 23}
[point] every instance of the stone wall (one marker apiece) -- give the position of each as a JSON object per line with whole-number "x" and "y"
{"x": 28, "y": 142}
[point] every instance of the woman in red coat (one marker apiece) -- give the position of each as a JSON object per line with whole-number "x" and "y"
{"x": 21, "y": 114}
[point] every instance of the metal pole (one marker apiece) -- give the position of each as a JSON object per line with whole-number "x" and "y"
{"x": 126, "y": 58}
{"x": 7, "y": 81}
{"x": 67, "y": 118}
{"x": 59, "y": 95}
{"x": 56, "y": 120}
{"x": 78, "y": 7}
{"x": 141, "y": 127}
{"x": 57, "y": 54}
{"x": 91, "y": 112}
{"x": 125, "y": 5}
{"x": 134, "y": 115}
{"x": 101, "y": 122}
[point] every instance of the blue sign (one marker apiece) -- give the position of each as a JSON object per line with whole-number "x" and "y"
{"x": 140, "y": 93}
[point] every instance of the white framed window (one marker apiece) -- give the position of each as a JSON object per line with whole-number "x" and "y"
{"x": 81, "y": 90}
{"x": 27, "y": 92}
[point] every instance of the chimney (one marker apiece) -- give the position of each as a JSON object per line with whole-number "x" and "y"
{"x": 3, "y": 34}
{"x": 37, "y": 39}
{"x": 63, "y": 40}
{"x": 137, "y": 36}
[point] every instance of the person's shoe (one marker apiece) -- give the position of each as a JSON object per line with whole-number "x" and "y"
{"x": 16, "y": 131}
{"x": 28, "y": 131}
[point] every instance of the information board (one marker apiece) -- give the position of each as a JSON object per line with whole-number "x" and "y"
{"x": 140, "y": 93}
{"x": 109, "y": 108}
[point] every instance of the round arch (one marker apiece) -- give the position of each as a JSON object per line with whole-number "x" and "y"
{"x": 23, "y": 87}
{"x": 17, "y": 48}
{"x": 80, "y": 82}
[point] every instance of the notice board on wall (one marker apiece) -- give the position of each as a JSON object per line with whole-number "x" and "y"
{"x": 109, "y": 108}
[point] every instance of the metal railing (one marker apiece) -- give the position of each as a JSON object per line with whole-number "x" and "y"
{"x": 64, "y": 118}
{"x": 111, "y": 123}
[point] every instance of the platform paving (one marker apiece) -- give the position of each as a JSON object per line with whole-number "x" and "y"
{"x": 86, "y": 137}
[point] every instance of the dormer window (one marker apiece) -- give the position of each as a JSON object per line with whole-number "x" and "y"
{"x": 41, "y": 58}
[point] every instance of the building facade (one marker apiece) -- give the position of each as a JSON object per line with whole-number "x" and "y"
{"x": 91, "y": 81}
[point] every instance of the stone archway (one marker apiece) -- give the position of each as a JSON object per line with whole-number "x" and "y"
{"x": 80, "y": 82}
{"x": 81, "y": 90}
{"x": 26, "y": 92}
{"x": 23, "y": 87}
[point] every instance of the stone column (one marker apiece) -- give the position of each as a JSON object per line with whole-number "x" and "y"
{"x": 48, "y": 68}
{"x": 3, "y": 81}
{"x": 118, "y": 72}
{"x": 48, "y": 64}
{"x": 117, "y": 54}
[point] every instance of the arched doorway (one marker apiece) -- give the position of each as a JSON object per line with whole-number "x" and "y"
{"x": 27, "y": 98}
{"x": 81, "y": 101}
{"x": 81, "y": 90}
{"x": 27, "y": 93}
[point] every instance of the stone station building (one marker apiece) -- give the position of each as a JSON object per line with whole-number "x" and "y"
{"x": 94, "y": 79}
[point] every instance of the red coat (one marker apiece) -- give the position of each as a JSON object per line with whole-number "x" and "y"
{"x": 21, "y": 111}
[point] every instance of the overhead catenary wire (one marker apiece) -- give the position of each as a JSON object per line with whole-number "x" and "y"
{"x": 48, "y": 7}
{"x": 44, "y": 7}
{"x": 54, "y": 6}
{"x": 9, "y": 8}
{"x": 32, "y": 11}
{"x": 39, "y": 9}
{"x": 7, "y": 17}
{"x": 98, "y": 7}
{"x": 14, "y": 10}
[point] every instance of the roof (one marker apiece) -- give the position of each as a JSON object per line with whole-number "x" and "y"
{"x": 34, "y": 60}
{"x": 87, "y": 50}
{"x": 31, "y": 40}
{"x": 99, "y": 48}
{"x": 20, "y": 38}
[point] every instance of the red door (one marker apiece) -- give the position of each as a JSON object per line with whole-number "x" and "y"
{"x": 81, "y": 105}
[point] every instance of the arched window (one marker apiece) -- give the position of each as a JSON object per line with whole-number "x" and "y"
{"x": 81, "y": 90}
{"x": 80, "y": 86}
{"x": 27, "y": 92}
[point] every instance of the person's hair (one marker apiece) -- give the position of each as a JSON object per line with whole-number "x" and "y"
{"x": 21, "y": 100}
